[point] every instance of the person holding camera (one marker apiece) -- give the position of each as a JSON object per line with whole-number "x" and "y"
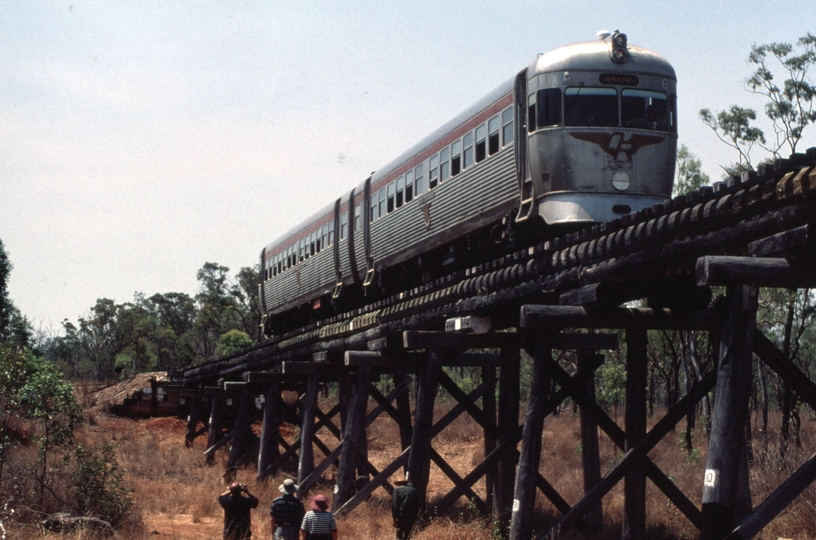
{"x": 236, "y": 507}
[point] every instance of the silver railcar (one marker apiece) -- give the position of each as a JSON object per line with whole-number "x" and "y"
{"x": 584, "y": 134}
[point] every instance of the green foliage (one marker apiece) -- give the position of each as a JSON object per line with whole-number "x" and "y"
{"x": 14, "y": 327}
{"x": 163, "y": 331}
{"x": 49, "y": 399}
{"x": 233, "y": 341}
{"x": 690, "y": 175}
{"x": 99, "y": 487}
{"x": 789, "y": 104}
{"x": 13, "y": 375}
{"x": 611, "y": 379}
{"x": 733, "y": 127}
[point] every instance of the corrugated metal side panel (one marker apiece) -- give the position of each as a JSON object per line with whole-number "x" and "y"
{"x": 481, "y": 189}
{"x": 345, "y": 267}
{"x": 359, "y": 253}
{"x": 316, "y": 276}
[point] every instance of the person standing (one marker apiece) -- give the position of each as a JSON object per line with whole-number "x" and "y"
{"x": 286, "y": 512}
{"x": 237, "y": 520}
{"x": 318, "y": 523}
{"x": 404, "y": 508}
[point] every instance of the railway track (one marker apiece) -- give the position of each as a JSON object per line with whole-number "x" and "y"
{"x": 629, "y": 258}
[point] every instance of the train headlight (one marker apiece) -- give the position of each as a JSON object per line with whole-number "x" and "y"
{"x": 620, "y": 181}
{"x": 618, "y": 52}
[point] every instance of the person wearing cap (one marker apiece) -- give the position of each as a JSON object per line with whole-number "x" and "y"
{"x": 236, "y": 511}
{"x": 286, "y": 512}
{"x": 318, "y": 523}
{"x": 404, "y": 508}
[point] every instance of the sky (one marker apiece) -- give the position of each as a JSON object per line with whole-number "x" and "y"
{"x": 140, "y": 140}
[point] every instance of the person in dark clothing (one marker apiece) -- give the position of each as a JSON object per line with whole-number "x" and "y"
{"x": 286, "y": 512}
{"x": 404, "y": 508}
{"x": 236, "y": 507}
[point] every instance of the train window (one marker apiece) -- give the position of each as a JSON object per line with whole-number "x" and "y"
{"x": 595, "y": 107}
{"x": 358, "y": 218}
{"x": 433, "y": 171}
{"x": 507, "y": 126}
{"x": 643, "y": 109}
{"x": 313, "y": 244}
{"x": 391, "y": 192}
{"x": 409, "y": 188}
{"x": 300, "y": 250}
{"x": 400, "y": 191}
{"x": 420, "y": 184}
{"x": 381, "y": 198}
{"x": 493, "y": 135}
{"x": 444, "y": 168}
{"x": 375, "y": 207}
{"x": 456, "y": 158}
{"x": 324, "y": 234}
{"x": 343, "y": 225}
{"x": 481, "y": 143}
{"x": 531, "y": 113}
{"x": 331, "y": 232}
{"x": 467, "y": 156}
{"x": 549, "y": 107}
{"x": 419, "y": 175}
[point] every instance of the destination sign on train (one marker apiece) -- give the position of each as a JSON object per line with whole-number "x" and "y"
{"x": 619, "y": 79}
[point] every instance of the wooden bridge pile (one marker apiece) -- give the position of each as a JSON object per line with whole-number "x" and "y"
{"x": 753, "y": 231}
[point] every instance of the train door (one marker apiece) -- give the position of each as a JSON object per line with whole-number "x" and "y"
{"x": 352, "y": 236}
{"x": 338, "y": 272}
{"x": 525, "y": 180}
{"x": 369, "y": 277}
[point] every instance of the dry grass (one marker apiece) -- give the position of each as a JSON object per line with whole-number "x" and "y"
{"x": 175, "y": 490}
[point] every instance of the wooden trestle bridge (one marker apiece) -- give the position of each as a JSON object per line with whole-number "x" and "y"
{"x": 755, "y": 230}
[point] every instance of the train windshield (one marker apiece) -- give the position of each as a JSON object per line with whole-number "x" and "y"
{"x": 643, "y": 109}
{"x": 597, "y": 107}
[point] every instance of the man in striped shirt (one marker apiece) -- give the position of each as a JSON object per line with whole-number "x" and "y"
{"x": 286, "y": 513}
{"x": 318, "y": 523}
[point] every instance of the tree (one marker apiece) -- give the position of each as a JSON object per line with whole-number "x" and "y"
{"x": 233, "y": 341}
{"x": 733, "y": 127}
{"x": 14, "y": 326}
{"x": 245, "y": 292}
{"x": 5, "y": 270}
{"x": 789, "y": 107}
{"x": 690, "y": 175}
{"x": 224, "y": 305}
{"x": 170, "y": 322}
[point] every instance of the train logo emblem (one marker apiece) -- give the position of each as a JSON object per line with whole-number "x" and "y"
{"x": 426, "y": 214}
{"x": 617, "y": 143}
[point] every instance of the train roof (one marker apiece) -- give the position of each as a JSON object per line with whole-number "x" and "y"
{"x": 494, "y": 96}
{"x": 586, "y": 55}
{"x": 595, "y": 56}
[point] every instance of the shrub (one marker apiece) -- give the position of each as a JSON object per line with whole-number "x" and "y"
{"x": 100, "y": 489}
